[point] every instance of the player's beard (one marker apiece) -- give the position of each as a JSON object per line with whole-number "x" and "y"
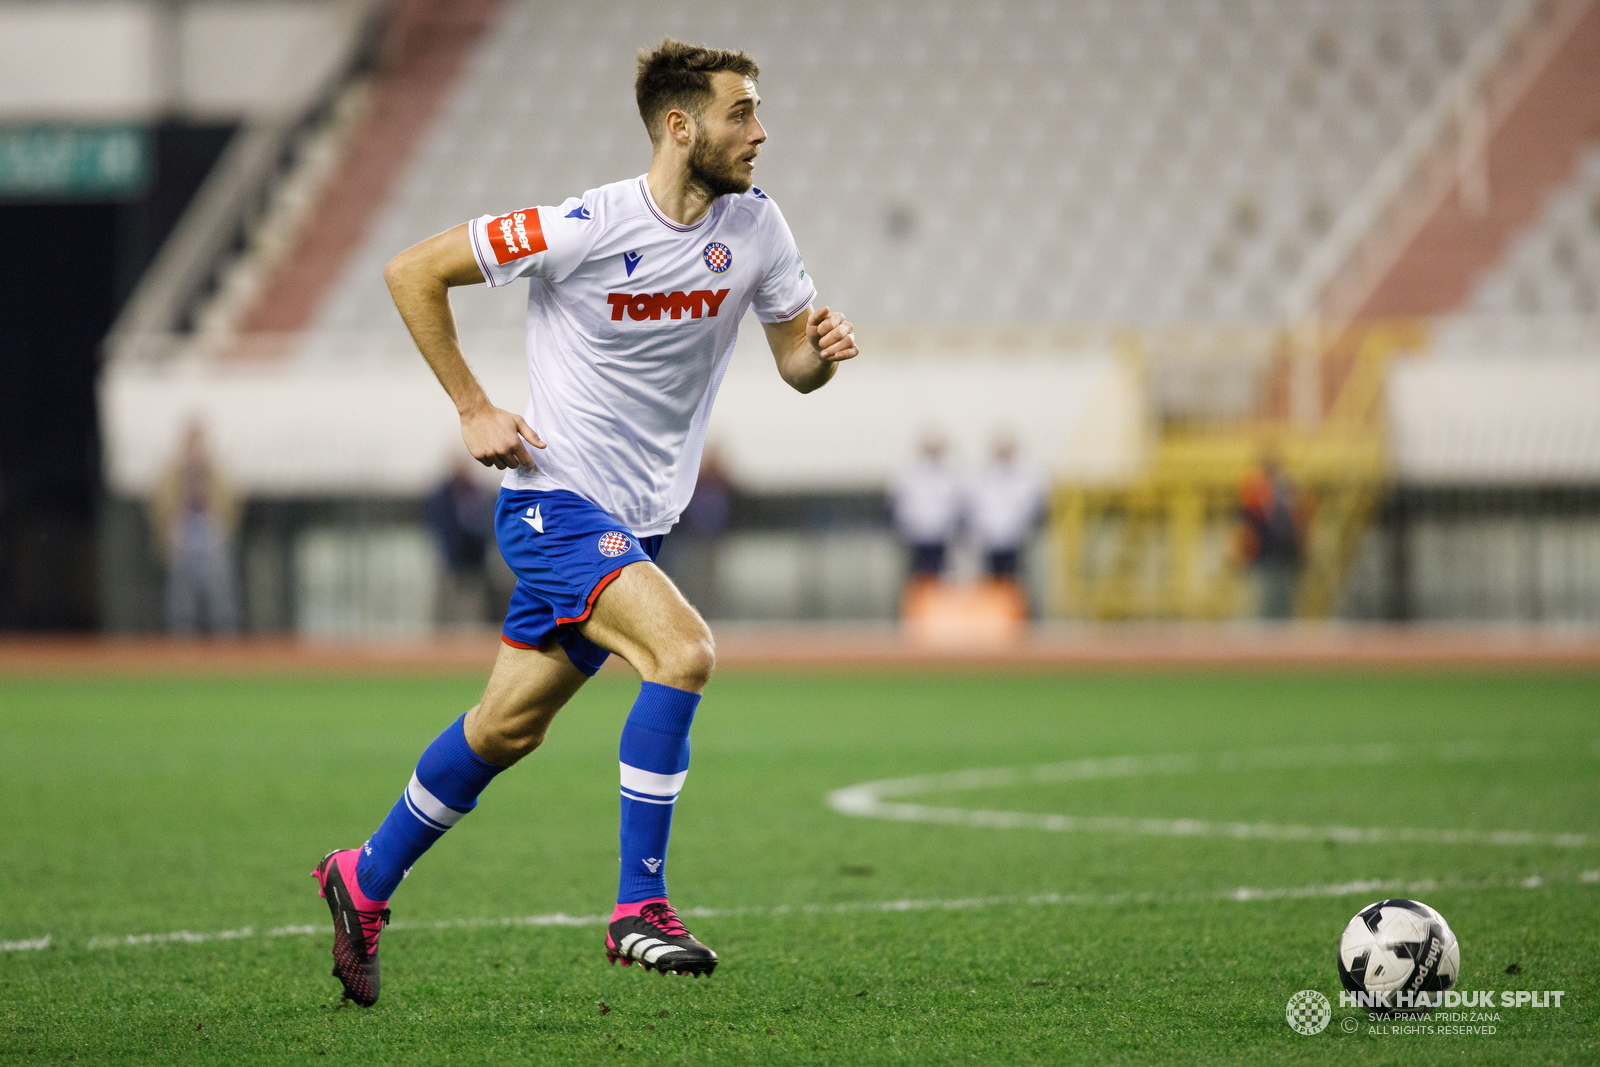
{"x": 711, "y": 170}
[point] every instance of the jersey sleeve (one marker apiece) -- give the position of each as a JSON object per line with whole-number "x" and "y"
{"x": 786, "y": 288}
{"x": 539, "y": 242}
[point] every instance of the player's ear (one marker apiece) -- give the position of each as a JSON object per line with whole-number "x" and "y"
{"x": 679, "y": 125}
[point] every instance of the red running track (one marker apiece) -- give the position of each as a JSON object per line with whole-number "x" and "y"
{"x": 862, "y": 649}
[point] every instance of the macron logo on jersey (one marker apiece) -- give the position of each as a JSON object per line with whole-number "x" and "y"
{"x": 516, "y": 235}
{"x": 641, "y": 306}
{"x": 579, "y": 212}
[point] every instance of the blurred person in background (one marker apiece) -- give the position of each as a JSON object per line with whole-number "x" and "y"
{"x": 1004, "y": 504}
{"x": 195, "y": 515}
{"x": 926, "y": 503}
{"x": 691, "y": 556}
{"x": 1271, "y": 535}
{"x": 461, "y": 517}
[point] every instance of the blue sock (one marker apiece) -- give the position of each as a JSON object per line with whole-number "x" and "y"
{"x": 446, "y": 785}
{"x": 655, "y": 761}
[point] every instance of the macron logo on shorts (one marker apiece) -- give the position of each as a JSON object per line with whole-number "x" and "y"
{"x": 534, "y": 519}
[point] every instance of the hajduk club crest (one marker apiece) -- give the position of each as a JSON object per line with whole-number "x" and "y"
{"x": 614, "y": 544}
{"x": 717, "y": 257}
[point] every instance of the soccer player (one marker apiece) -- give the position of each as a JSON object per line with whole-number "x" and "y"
{"x": 635, "y": 292}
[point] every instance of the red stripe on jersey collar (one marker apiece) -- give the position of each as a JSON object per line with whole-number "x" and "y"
{"x": 650, "y": 202}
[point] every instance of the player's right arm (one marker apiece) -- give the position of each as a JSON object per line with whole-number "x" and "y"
{"x": 419, "y": 281}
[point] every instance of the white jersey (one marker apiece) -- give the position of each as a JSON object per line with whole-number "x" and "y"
{"x": 926, "y": 499}
{"x": 1004, "y": 504}
{"x": 632, "y": 320}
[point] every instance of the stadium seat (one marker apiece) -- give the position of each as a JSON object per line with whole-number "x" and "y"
{"x": 1554, "y": 268}
{"x": 1121, "y": 137}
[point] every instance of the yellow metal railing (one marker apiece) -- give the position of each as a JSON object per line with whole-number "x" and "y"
{"x": 1165, "y": 544}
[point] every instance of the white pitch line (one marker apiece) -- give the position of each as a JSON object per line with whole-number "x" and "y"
{"x": 1242, "y": 894}
{"x": 872, "y": 799}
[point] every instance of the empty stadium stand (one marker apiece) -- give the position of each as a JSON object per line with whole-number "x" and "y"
{"x": 1113, "y": 160}
{"x": 1504, "y": 138}
{"x": 1554, "y": 267}
{"x": 1132, "y": 213}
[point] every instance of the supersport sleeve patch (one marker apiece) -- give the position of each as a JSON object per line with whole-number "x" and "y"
{"x": 508, "y": 247}
{"x": 545, "y": 242}
{"x": 515, "y": 235}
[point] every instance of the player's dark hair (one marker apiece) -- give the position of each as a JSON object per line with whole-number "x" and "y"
{"x": 674, "y": 74}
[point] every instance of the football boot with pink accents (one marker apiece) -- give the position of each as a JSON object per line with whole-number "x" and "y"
{"x": 651, "y": 934}
{"x": 357, "y": 924}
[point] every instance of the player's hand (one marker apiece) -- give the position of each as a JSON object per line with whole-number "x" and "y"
{"x": 832, "y": 337}
{"x": 495, "y": 438}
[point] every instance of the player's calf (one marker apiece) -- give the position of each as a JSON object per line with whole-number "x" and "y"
{"x": 525, "y": 691}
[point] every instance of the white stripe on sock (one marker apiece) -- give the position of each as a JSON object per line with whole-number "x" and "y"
{"x": 428, "y": 806}
{"x": 641, "y": 798}
{"x": 657, "y": 785}
{"x": 417, "y": 815}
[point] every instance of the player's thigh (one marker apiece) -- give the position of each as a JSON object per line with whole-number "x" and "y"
{"x": 526, "y": 689}
{"x": 643, "y": 618}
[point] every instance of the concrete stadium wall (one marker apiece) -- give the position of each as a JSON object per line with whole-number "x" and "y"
{"x": 383, "y": 426}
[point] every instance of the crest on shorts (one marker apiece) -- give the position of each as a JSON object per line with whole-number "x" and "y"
{"x": 717, "y": 257}
{"x": 614, "y": 544}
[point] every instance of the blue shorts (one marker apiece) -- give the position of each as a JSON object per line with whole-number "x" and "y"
{"x": 563, "y": 549}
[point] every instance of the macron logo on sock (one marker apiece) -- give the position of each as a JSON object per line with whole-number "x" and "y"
{"x": 652, "y": 865}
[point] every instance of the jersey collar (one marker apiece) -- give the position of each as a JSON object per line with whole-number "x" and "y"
{"x": 650, "y": 202}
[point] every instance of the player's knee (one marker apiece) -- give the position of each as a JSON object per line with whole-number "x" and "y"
{"x": 508, "y": 734}
{"x": 517, "y": 743}
{"x": 688, "y": 665}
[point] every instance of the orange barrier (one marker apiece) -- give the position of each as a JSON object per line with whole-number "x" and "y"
{"x": 987, "y": 614}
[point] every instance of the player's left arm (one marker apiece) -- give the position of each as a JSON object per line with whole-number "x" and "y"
{"x": 809, "y": 347}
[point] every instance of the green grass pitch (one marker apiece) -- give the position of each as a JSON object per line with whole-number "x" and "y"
{"x": 133, "y": 807}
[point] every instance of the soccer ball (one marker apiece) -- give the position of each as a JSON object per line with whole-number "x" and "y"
{"x": 1401, "y": 953}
